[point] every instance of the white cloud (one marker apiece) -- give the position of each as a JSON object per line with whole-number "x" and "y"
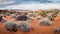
{"x": 34, "y": 6}
{"x": 6, "y": 1}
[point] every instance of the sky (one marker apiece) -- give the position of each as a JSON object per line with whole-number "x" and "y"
{"x": 29, "y": 4}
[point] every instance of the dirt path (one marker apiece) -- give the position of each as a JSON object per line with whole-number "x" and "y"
{"x": 38, "y": 29}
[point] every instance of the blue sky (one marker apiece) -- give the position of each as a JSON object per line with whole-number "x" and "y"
{"x": 29, "y": 4}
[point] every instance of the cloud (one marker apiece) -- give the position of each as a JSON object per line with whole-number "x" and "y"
{"x": 6, "y": 1}
{"x": 54, "y": 0}
{"x": 27, "y": 1}
{"x": 29, "y": 4}
{"x": 34, "y": 6}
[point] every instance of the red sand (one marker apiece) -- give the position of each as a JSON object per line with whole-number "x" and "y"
{"x": 38, "y": 29}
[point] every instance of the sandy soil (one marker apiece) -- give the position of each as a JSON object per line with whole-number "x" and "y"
{"x": 38, "y": 29}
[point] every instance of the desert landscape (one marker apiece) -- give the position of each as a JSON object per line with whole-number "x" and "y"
{"x": 29, "y": 16}
{"x": 38, "y": 29}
